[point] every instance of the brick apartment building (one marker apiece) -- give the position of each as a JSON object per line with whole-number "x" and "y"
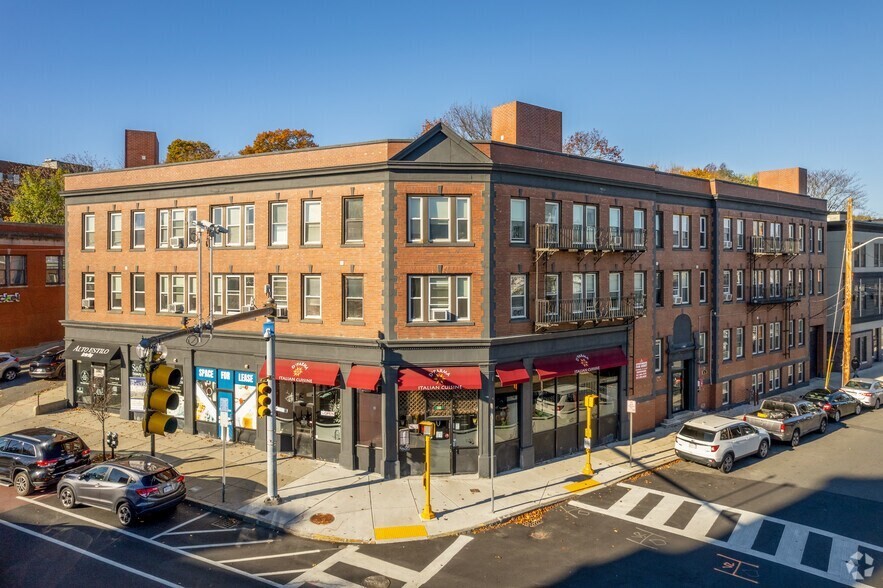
{"x": 11, "y": 174}
{"x": 867, "y": 289}
{"x": 485, "y": 286}
{"x": 32, "y": 276}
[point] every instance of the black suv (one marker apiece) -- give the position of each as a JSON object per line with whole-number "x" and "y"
{"x": 50, "y": 364}
{"x": 37, "y": 458}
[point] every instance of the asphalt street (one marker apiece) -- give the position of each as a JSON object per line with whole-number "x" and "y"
{"x": 799, "y": 517}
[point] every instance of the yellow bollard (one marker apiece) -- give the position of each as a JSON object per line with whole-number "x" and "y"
{"x": 589, "y": 401}
{"x": 427, "y": 428}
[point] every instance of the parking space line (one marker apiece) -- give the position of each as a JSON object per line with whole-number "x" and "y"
{"x": 158, "y": 544}
{"x": 283, "y": 572}
{"x": 234, "y": 544}
{"x": 96, "y": 557}
{"x": 198, "y": 531}
{"x": 291, "y": 554}
{"x": 193, "y": 520}
{"x": 439, "y": 562}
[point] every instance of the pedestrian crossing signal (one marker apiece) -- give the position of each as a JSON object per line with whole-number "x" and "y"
{"x": 264, "y": 390}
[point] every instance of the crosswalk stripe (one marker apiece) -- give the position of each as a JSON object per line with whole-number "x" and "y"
{"x": 629, "y": 501}
{"x": 743, "y": 536}
{"x": 664, "y": 510}
{"x": 702, "y": 521}
{"x": 841, "y": 550}
{"x": 790, "y": 551}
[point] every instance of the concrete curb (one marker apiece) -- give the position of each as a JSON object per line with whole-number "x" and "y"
{"x": 56, "y": 406}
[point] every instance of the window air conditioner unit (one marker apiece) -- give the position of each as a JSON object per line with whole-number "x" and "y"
{"x": 282, "y": 313}
{"x": 616, "y": 240}
{"x": 676, "y": 299}
{"x": 88, "y": 303}
{"x": 176, "y": 242}
{"x": 728, "y": 244}
{"x": 177, "y": 308}
{"x": 440, "y": 314}
{"x": 728, "y": 297}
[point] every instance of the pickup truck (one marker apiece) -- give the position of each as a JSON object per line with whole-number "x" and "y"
{"x": 787, "y": 417}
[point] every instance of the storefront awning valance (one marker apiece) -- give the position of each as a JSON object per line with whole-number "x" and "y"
{"x": 89, "y": 351}
{"x": 439, "y": 378}
{"x": 365, "y": 377}
{"x": 589, "y": 361}
{"x": 304, "y": 372}
{"x": 512, "y": 373}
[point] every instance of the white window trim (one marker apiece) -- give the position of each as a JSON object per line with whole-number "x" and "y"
{"x": 280, "y": 227}
{"x": 305, "y": 297}
{"x": 305, "y": 224}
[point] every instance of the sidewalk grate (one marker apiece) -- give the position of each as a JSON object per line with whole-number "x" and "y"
{"x": 226, "y": 523}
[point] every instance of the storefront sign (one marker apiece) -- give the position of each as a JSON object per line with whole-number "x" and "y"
{"x": 6, "y": 297}
{"x": 206, "y": 394}
{"x": 640, "y": 369}
{"x": 240, "y": 387}
{"x": 586, "y": 364}
{"x": 246, "y": 400}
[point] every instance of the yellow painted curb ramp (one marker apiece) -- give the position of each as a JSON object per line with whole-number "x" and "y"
{"x": 584, "y": 485}
{"x": 403, "y": 532}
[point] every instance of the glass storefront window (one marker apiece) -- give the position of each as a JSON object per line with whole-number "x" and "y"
{"x": 566, "y": 404}
{"x": 543, "y": 405}
{"x": 506, "y": 414}
{"x": 328, "y": 419}
{"x": 465, "y": 419}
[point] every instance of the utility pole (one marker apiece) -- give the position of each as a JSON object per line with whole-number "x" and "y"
{"x": 847, "y": 296}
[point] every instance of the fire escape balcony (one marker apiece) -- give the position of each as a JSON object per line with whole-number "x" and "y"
{"x": 580, "y": 311}
{"x": 773, "y": 294}
{"x": 773, "y": 246}
{"x": 551, "y": 238}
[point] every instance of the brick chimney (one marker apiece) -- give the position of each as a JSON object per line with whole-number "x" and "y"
{"x": 792, "y": 179}
{"x": 524, "y": 124}
{"x": 142, "y": 148}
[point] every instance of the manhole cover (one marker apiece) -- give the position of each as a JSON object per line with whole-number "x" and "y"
{"x": 376, "y": 582}
{"x": 323, "y": 519}
{"x": 226, "y": 523}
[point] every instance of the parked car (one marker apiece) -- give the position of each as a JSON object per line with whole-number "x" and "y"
{"x": 130, "y": 486}
{"x": 9, "y": 366}
{"x": 836, "y": 404}
{"x": 49, "y": 364}
{"x": 867, "y": 391}
{"x": 33, "y": 459}
{"x": 787, "y": 417}
{"x": 719, "y": 441}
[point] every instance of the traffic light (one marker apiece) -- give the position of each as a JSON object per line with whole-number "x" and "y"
{"x": 160, "y": 398}
{"x": 264, "y": 392}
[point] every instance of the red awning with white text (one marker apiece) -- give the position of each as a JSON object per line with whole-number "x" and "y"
{"x": 439, "y": 378}
{"x": 365, "y": 377}
{"x": 512, "y": 373}
{"x": 304, "y": 372}
{"x": 579, "y": 363}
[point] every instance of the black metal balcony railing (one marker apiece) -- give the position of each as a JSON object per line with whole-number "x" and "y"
{"x": 773, "y": 246}
{"x": 553, "y": 312}
{"x": 773, "y": 294}
{"x": 551, "y": 236}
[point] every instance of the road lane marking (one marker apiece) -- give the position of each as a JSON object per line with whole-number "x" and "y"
{"x": 94, "y": 556}
{"x": 193, "y": 520}
{"x": 629, "y": 501}
{"x": 745, "y": 533}
{"x": 439, "y": 562}
{"x": 234, "y": 544}
{"x": 291, "y": 554}
{"x": 148, "y": 540}
{"x": 390, "y": 570}
{"x": 790, "y": 551}
{"x": 198, "y": 531}
{"x": 317, "y": 574}
{"x": 282, "y": 573}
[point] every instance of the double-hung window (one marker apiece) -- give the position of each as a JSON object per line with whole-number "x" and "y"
{"x": 658, "y": 232}
{"x": 439, "y": 298}
{"x": 801, "y": 238}
{"x": 353, "y": 218}
{"x": 659, "y": 289}
{"x": 518, "y": 296}
{"x": 640, "y": 290}
{"x": 353, "y": 298}
{"x": 430, "y": 219}
{"x": 13, "y": 270}
{"x": 138, "y": 229}
{"x": 725, "y": 393}
{"x": 89, "y": 231}
{"x": 115, "y": 230}
{"x": 115, "y": 291}
{"x": 703, "y": 347}
{"x": 757, "y": 339}
{"x": 173, "y": 224}
{"x": 680, "y": 231}
{"x": 791, "y": 333}
{"x": 740, "y": 342}
{"x": 614, "y": 288}
{"x": 758, "y": 288}
{"x": 640, "y": 227}
{"x": 615, "y": 216}
{"x": 176, "y": 292}
{"x": 703, "y": 232}
{"x": 89, "y": 291}
{"x": 585, "y": 225}
{"x": 138, "y": 292}
{"x": 820, "y": 240}
{"x": 680, "y": 285}
{"x": 728, "y": 233}
{"x": 657, "y": 356}
{"x": 312, "y": 222}
{"x": 775, "y": 336}
{"x": 311, "y": 303}
{"x": 552, "y": 220}
{"x": 703, "y": 286}
{"x": 800, "y": 332}
{"x": 728, "y": 285}
{"x": 740, "y": 233}
{"x": 740, "y": 284}
{"x": 775, "y": 283}
{"x": 820, "y": 281}
{"x": 725, "y": 344}
{"x": 279, "y": 291}
{"x": 518, "y": 220}
{"x": 232, "y": 293}
{"x": 54, "y": 270}
{"x": 279, "y": 223}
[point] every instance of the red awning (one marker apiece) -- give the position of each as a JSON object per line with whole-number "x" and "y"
{"x": 305, "y": 372}
{"x": 568, "y": 365}
{"x": 512, "y": 373}
{"x": 364, "y": 377}
{"x": 439, "y": 378}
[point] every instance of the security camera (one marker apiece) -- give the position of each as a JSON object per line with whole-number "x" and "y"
{"x": 202, "y": 224}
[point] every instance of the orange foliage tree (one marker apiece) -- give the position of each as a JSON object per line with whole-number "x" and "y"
{"x": 279, "y": 140}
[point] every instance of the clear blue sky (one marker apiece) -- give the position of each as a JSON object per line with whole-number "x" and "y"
{"x": 755, "y": 84}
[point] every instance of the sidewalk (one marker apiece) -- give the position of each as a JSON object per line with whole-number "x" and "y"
{"x": 357, "y": 506}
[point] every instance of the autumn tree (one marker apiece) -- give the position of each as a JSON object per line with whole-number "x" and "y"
{"x": 279, "y": 140}
{"x": 182, "y": 150}
{"x": 712, "y": 171}
{"x": 471, "y": 122}
{"x": 592, "y": 144}
{"x": 39, "y": 199}
{"x": 837, "y": 186}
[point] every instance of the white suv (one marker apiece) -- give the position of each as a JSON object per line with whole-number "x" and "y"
{"x": 9, "y": 366}
{"x": 719, "y": 441}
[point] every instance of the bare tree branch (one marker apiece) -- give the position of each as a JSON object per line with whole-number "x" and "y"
{"x": 837, "y": 186}
{"x": 592, "y": 144}
{"x": 472, "y": 122}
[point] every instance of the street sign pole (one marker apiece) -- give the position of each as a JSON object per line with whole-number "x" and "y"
{"x": 224, "y": 421}
{"x": 631, "y": 407}
{"x": 270, "y": 336}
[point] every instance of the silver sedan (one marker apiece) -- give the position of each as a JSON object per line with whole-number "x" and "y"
{"x": 867, "y": 391}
